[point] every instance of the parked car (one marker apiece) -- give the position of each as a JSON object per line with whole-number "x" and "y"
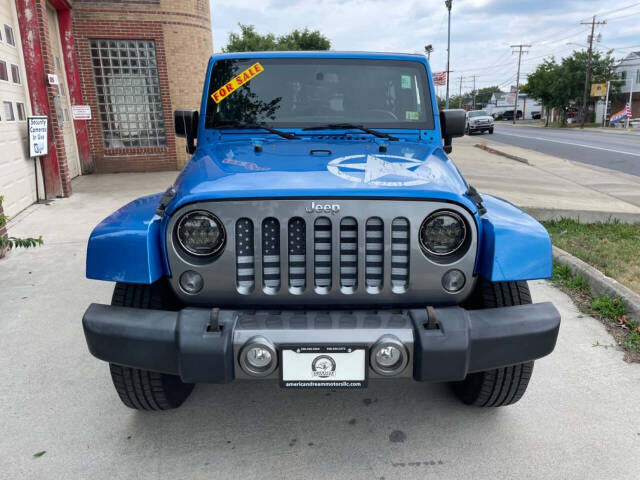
{"x": 478, "y": 121}
{"x": 536, "y": 115}
{"x": 319, "y": 237}
{"x": 508, "y": 115}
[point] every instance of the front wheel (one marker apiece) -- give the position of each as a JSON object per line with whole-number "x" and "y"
{"x": 501, "y": 386}
{"x": 491, "y": 131}
{"x": 143, "y": 389}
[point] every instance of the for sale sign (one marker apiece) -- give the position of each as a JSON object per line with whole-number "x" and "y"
{"x": 38, "y": 142}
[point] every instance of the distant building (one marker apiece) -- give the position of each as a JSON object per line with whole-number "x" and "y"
{"x": 128, "y": 63}
{"x": 628, "y": 71}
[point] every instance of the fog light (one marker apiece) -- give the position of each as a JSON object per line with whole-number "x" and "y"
{"x": 258, "y": 357}
{"x": 453, "y": 281}
{"x": 191, "y": 282}
{"x": 389, "y": 356}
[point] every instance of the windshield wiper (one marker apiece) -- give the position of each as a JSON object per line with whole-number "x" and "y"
{"x": 370, "y": 131}
{"x": 261, "y": 126}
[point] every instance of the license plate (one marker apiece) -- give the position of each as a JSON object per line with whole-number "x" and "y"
{"x": 323, "y": 366}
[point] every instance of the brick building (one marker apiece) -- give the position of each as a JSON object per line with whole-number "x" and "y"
{"x": 131, "y": 62}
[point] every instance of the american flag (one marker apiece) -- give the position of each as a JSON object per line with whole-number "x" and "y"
{"x": 622, "y": 115}
{"x": 439, "y": 78}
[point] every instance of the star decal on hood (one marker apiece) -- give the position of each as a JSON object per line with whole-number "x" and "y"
{"x": 383, "y": 170}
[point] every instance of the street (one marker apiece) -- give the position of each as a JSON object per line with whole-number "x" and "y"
{"x": 617, "y": 151}
{"x": 577, "y": 420}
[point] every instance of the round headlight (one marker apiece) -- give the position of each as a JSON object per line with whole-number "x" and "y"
{"x": 200, "y": 233}
{"x": 442, "y": 233}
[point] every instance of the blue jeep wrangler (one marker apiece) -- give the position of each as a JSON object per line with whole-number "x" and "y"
{"x": 319, "y": 236}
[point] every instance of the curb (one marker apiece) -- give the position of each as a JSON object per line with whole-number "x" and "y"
{"x": 581, "y": 216}
{"x": 484, "y": 147}
{"x": 599, "y": 282}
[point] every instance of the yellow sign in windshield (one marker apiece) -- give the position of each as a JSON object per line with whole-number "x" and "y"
{"x": 239, "y": 80}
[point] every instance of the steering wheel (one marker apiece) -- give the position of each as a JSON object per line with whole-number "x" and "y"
{"x": 384, "y": 112}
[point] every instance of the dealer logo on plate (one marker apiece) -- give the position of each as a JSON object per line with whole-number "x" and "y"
{"x": 382, "y": 170}
{"x": 323, "y": 366}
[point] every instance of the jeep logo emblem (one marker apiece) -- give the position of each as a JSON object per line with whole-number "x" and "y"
{"x": 329, "y": 208}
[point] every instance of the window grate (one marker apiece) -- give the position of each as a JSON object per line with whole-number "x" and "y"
{"x": 128, "y": 93}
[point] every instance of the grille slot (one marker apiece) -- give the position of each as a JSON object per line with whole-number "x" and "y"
{"x": 322, "y": 255}
{"x": 400, "y": 255}
{"x": 374, "y": 259}
{"x": 297, "y": 255}
{"x": 348, "y": 255}
{"x": 245, "y": 265}
{"x": 271, "y": 255}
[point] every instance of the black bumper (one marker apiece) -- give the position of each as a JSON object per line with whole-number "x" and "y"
{"x": 199, "y": 348}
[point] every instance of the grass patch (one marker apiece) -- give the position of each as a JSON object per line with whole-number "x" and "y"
{"x": 610, "y": 310}
{"x": 613, "y": 248}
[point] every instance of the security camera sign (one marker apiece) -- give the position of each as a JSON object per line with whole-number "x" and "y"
{"x": 38, "y": 136}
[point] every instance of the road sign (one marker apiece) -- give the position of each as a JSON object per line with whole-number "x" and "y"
{"x": 81, "y": 112}
{"x": 38, "y": 138}
{"x": 598, "y": 89}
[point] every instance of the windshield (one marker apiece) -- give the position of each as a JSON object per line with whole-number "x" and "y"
{"x": 303, "y": 92}
{"x": 478, "y": 113}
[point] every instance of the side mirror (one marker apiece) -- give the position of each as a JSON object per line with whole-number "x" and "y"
{"x": 452, "y": 123}
{"x": 186, "y": 126}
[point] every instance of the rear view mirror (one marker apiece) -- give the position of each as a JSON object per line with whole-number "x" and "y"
{"x": 452, "y": 123}
{"x": 186, "y": 126}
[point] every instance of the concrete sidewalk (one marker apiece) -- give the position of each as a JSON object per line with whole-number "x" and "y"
{"x": 548, "y": 186}
{"x": 577, "y": 420}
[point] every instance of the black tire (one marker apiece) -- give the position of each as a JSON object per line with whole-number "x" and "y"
{"x": 490, "y": 131}
{"x": 468, "y": 131}
{"x": 501, "y": 386}
{"x": 143, "y": 389}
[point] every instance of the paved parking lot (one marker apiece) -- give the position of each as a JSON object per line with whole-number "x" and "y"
{"x": 579, "y": 418}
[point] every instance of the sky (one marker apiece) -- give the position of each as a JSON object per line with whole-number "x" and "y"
{"x": 481, "y": 30}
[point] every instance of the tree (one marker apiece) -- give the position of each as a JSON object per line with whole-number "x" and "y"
{"x": 540, "y": 84}
{"x": 483, "y": 95}
{"x": 559, "y": 85}
{"x": 248, "y": 40}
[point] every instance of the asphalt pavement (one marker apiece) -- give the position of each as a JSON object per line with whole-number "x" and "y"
{"x": 579, "y": 418}
{"x": 616, "y": 151}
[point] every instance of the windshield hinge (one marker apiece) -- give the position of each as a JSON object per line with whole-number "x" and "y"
{"x": 165, "y": 200}
{"x": 473, "y": 194}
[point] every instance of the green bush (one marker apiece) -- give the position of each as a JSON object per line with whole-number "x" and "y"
{"x": 15, "y": 242}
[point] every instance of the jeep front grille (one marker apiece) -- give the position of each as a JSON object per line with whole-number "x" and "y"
{"x": 320, "y": 253}
{"x": 325, "y": 236}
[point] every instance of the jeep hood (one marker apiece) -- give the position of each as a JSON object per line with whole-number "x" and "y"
{"x": 318, "y": 169}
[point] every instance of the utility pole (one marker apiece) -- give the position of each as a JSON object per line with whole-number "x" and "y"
{"x": 587, "y": 79}
{"x": 474, "y": 91}
{"x": 520, "y": 50}
{"x": 448, "y": 5}
{"x": 460, "y": 94}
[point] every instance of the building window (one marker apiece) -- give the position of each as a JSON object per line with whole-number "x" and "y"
{"x": 15, "y": 73}
{"x": 622, "y": 75}
{"x": 3, "y": 71}
{"x": 8, "y": 34}
{"x": 8, "y": 111}
{"x": 21, "y": 113}
{"x": 128, "y": 93}
{"x": 638, "y": 76}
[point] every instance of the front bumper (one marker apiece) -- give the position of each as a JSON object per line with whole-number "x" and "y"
{"x": 473, "y": 128}
{"x": 202, "y": 345}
